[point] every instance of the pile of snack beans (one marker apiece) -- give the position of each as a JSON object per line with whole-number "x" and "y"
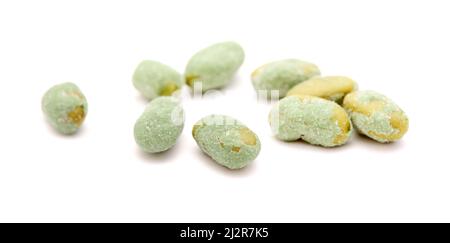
{"x": 316, "y": 109}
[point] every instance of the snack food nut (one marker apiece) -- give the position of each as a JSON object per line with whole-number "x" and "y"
{"x": 282, "y": 75}
{"x": 333, "y": 88}
{"x": 65, "y": 107}
{"x": 376, "y": 116}
{"x": 153, "y": 79}
{"x": 214, "y": 66}
{"x": 226, "y": 140}
{"x": 160, "y": 125}
{"x": 311, "y": 119}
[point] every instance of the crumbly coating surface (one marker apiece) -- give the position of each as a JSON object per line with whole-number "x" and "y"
{"x": 312, "y": 119}
{"x": 160, "y": 125}
{"x": 282, "y": 75}
{"x": 227, "y": 141}
{"x": 154, "y": 79}
{"x": 215, "y": 65}
{"x": 376, "y": 116}
{"x": 65, "y": 107}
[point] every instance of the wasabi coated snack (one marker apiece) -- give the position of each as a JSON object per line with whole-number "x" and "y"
{"x": 65, "y": 107}
{"x": 226, "y": 140}
{"x": 376, "y": 116}
{"x": 160, "y": 125}
{"x": 155, "y": 79}
{"x": 332, "y": 88}
{"x": 282, "y": 75}
{"x": 312, "y": 119}
{"x": 214, "y": 66}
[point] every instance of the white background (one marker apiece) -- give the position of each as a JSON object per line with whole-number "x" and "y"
{"x": 400, "y": 48}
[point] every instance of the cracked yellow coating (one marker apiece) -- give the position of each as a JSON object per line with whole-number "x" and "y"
{"x": 77, "y": 115}
{"x": 343, "y": 121}
{"x": 376, "y": 116}
{"x": 226, "y": 140}
{"x": 312, "y": 119}
{"x": 153, "y": 79}
{"x": 351, "y": 104}
{"x": 190, "y": 80}
{"x": 398, "y": 121}
{"x": 236, "y": 149}
{"x": 168, "y": 89}
{"x": 247, "y": 136}
{"x": 65, "y": 107}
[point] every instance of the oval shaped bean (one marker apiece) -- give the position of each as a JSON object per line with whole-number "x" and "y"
{"x": 280, "y": 76}
{"x": 65, "y": 107}
{"x": 153, "y": 79}
{"x": 160, "y": 125}
{"x": 214, "y": 66}
{"x": 226, "y": 141}
{"x": 376, "y": 116}
{"x": 333, "y": 88}
{"x": 312, "y": 119}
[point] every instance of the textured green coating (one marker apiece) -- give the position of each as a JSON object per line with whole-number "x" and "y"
{"x": 65, "y": 107}
{"x": 226, "y": 141}
{"x": 160, "y": 125}
{"x": 215, "y": 65}
{"x": 155, "y": 79}
{"x": 376, "y": 116}
{"x": 282, "y": 75}
{"x": 312, "y": 119}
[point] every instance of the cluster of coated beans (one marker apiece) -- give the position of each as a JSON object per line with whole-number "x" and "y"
{"x": 320, "y": 110}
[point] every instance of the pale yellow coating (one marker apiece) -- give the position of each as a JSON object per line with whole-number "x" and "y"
{"x": 190, "y": 80}
{"x": 343, "y": 121}
{"x": 194, "y": 129}
{"x": 169, "y": 89}
{"x": 308, "y": 69}
{"x": 331, "y": 87}
{"x": 258, "y": 71}
{"x": 247, "y": 136}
